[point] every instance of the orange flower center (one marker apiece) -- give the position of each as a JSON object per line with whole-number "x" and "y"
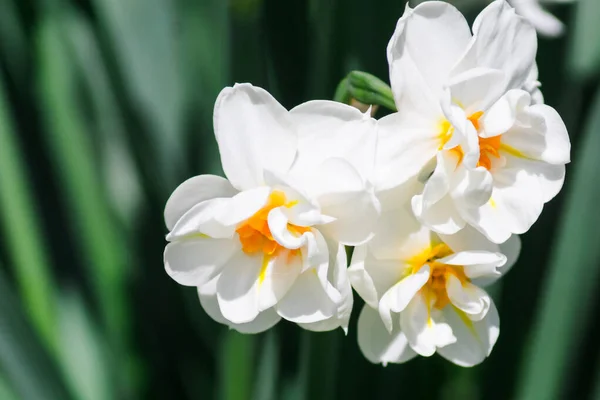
{"x": 435, "y": 288}
{"x": 255, "y": 234}
{"x": 488, "y": 147}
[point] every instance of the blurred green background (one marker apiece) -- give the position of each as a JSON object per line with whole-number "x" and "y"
{"x": 106, "y": 106}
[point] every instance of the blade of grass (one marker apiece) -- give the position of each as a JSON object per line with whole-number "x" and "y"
{"x": 572, "y": 278}
{"x": 319, "y": 364}
{"x": 23, "y": 359}
{"x": 84, "y": 358}
{"x": 119, "y": 172}
{"x": 93, "y": 225}
{"x": 22, "y": 233}
{"x": 267, "y": 375}
{"x": 236, "y": 366}
{"x": 585, "y": 52}
{"x": 144, "y": 36}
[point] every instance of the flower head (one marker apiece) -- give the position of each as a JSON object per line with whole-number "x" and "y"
{"x": 423, "y": 292}
{"x": 466, "y": 124}
{"x": 267, "y": 243}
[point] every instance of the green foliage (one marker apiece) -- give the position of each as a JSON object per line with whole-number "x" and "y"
{"x": 106, "y": 105}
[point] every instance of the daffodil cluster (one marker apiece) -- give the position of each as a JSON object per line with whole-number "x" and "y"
{"x": 431, "y": 196}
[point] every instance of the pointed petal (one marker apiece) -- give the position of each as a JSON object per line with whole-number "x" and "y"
{"x": 501, "y": 40}
{"x": 328, "y": 129}
{"x": 429, "y": 39}
{"x": 254, "y": 132}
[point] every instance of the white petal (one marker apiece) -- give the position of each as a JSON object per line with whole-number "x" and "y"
{"x": 503, "y": 114}
{"x": 474, "y": 257}
{"x": 307, "y": 301}
{"x": 407, "y": 143}
{"x": 399, "y": 236}
{"x": 208, "y": 299}
{"x": 416, "y": 323}
{"x": 329, "y": 129}
{"x": 511, "y": 250}
{"x": 398, "y": 296}
{"x": 371, "y": 277}
{"x": 243, "y": 205}
{"x": 469, "y": 239}
{"x": 340, "y": 191}
{"x": 200, "y": 221}
{"x": 515, "y": 205}
{"x": 254, "y": 132}
{"x": 477, "y": 89}
{"x": 431, "y": 38}
{"x": 502, "y": 40}
{"x": 193, "y": 262}
{"x": 277, "y": 276}
{"x": 442, "y": 217}
{"x": 471, "y": 187}
{"x": 278, "y": 224}
{"x": 467, "y": 297}
{"x": 377, "y": 344}
{"x": 550, "y": 177}
{"x": 237, "y": 288}
{"x": 338, "y": 278}
{"x": 193, "y": 191}
{"x": 547, "y": 141}
{"x": 475, "y": 339}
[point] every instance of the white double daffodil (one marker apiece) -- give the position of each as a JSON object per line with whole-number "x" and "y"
{"x": 466, "y": 122}
{"x": 267, "y": 243}
{"x": 423, "y": 291}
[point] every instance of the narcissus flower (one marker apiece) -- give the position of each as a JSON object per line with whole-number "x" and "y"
{"x": 268, "y": 242}
{"x": 466, "y": 122}
{"x": 423, "y": 292}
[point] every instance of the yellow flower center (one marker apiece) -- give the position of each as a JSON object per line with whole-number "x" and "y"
{"x": 435, "y": 288}
{"x": 255, "y": 234}
{"x": 488, "y": 147}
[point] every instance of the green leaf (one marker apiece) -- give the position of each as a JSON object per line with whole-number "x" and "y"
{"x": 143, "y": 37}
{"x": 84, "y": 355}
{"x": 71, "y": 149}
{"x": 23, "y": 360}
{"x": 236, "y": 363}
{"x": 319, "y": 364}
{"x": 572, "y": 279}
{"x": 118, "y": 167}
{"x": 22, "y": 232}
{"x": 267, "y": 375}
{"x": 585, "y": 46}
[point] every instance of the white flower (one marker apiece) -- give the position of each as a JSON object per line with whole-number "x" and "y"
{"x": 423, "y": 292}
{"x": 466, "y": 123}
{"x": 268, "y": 243}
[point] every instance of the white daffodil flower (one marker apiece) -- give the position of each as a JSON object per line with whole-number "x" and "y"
{"x": 466, "y": 122}
{"x": 267, "y": 243}
{"x": 423, "y": 292}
